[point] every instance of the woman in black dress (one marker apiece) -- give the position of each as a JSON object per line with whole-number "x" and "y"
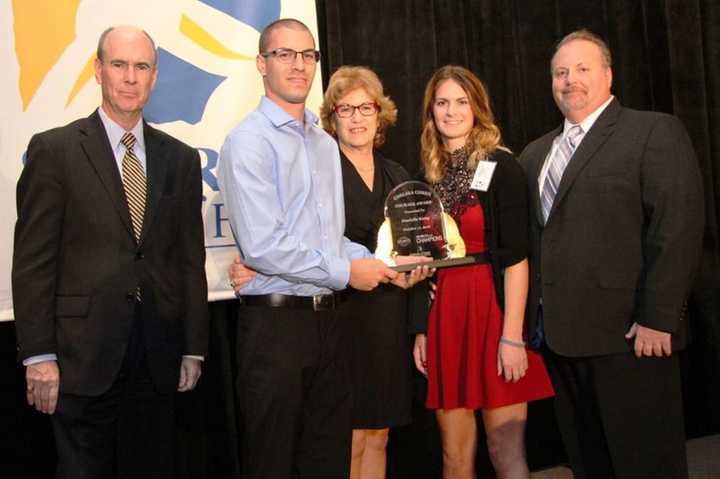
{"x": 356, "y": 111}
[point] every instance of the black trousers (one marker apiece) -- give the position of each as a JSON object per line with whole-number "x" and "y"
{"x": 620, "y": 416}
{"x": 293, "y": 393}
{"x": 127, "y": 432}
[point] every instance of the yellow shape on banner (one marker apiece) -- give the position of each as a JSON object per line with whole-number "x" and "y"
{"x": 204, "y": 39}
{"x": 43, "y": 30}
{"x": 86, "y": 74}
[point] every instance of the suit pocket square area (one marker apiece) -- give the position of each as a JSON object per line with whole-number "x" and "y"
{"x": 68, "y": 306}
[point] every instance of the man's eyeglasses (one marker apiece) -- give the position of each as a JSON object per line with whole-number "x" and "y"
{"x": 366, "y": 109}
{"x": 288, "y": 55}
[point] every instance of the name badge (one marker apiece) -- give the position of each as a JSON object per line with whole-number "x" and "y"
{"x": 483, "y": 175}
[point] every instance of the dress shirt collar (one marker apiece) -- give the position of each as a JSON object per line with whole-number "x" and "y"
{"x": 279, "y": 117}
{"x": 115, "y": 132}
{"x": 589, "y": 121}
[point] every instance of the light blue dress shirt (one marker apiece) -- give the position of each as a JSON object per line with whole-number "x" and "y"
{"x": 282, "y": 185}
{"x": 115, "y": 133}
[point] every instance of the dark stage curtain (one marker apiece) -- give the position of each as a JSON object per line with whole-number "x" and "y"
{"x": 665, "y": 59}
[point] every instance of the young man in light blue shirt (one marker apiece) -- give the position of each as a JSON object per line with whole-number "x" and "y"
{"x": 281, "y": 181}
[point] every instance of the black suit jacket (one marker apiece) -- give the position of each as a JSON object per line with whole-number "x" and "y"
{"x": 623, "y": 238}
{"x": 76, "y": 264}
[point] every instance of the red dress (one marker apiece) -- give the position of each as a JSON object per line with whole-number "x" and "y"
{"x": 464, "y": 328}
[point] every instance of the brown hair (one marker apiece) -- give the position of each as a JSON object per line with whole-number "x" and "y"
{"x": 347, "y": 79}
{"x": 484, "y": 137}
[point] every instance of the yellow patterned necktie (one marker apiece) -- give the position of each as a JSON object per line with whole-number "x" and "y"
{"x": 133, "y": 178}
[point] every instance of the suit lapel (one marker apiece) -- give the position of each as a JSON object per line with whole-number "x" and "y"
{"x": 96, "y": 146}
{"x": 534, "y": 172}
{"x": 157, "y": 167}
{"x": 598, "y": 134}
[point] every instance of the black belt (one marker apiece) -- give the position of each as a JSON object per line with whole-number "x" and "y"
{"x": 319, "y": 302}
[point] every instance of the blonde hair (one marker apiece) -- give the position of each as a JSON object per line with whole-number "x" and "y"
{"x": 347, "y": 79}
{"x": 484, "y": 137}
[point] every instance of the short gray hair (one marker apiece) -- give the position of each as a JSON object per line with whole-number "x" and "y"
{"x": 588, "y": 36}
{"x": 101, "y": 43}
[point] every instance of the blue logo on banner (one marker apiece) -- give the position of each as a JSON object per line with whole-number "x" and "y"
{"x": 182, "y": 91}
{"x": 256, "y": 13}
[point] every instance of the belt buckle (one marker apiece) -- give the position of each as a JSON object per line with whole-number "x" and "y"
{"x": 322, "y": 302}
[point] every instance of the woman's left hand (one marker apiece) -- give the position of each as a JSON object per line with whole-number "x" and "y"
{"x": 239, "y": 275}
{"x": 511, "y": 362}
{"x": 410, "y": 279}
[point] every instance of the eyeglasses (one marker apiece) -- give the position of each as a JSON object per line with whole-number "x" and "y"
{"x": 288, "y": 55}
{"x": 366, "y": 109}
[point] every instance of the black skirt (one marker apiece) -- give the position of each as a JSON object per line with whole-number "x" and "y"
{"x": 379, "y": 357}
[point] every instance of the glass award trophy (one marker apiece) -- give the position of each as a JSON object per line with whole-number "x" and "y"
{"x": 416, "y": 225}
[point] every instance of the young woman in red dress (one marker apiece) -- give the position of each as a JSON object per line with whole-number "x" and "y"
{"x": 472, "y": 349}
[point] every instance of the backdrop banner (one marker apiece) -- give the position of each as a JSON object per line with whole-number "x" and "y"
{"x": 207, "y": 82}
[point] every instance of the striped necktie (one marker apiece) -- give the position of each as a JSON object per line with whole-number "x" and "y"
{"x": 133, "y": 178}
{"x": 556, "y": 168}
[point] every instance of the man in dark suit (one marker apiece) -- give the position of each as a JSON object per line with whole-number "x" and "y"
{"x": 108, "y": 276}
{"x": 616, "y": 225}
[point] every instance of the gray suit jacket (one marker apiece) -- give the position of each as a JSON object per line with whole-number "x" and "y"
{"x": 623, "y": 239}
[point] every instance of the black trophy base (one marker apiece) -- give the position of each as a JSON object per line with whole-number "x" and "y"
{"x": 445, "y": 263}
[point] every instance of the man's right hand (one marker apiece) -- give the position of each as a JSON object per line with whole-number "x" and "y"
{"x": 367, "y": 273}
{"x": 43, "y": 384}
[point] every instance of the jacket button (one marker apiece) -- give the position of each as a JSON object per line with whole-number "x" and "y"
{"x": 139, "y": 255}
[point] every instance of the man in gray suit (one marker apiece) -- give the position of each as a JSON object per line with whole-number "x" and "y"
{"x": 616, "y": 226}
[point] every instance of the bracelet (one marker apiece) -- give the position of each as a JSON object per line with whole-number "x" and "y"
{"x": 517, "y": 344}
